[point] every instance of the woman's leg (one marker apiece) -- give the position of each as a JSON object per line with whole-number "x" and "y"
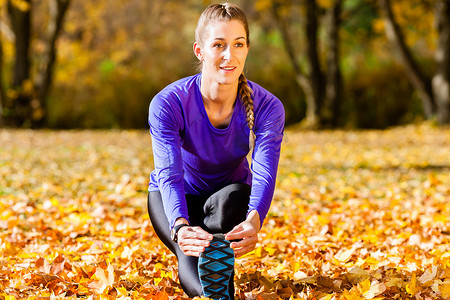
{"x": 187, "y": 265}
{"x": 217, "y": 214}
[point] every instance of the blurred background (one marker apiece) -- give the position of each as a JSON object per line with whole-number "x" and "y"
{"x": 333, "y": 63}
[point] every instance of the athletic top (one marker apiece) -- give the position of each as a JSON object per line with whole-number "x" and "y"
{"x": 191, "y": 156}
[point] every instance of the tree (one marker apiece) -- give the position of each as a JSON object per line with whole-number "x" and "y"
{"x": 20, "y": 18}
{"x": 24, "y": 105}
{"x": 434, "y": 91}
{"x": 322, "y": 90}
{"x": 2, "y": 90}
{"x": 334, "y": 76}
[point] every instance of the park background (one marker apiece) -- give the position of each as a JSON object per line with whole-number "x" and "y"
{"x": 349, "y": 64}
{"x": 361, "y": 208}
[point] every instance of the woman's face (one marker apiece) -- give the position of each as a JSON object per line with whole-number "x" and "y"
{"x": 224, "y": 51}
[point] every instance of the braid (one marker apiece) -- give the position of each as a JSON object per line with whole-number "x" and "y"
{"x": 246, "y": 95}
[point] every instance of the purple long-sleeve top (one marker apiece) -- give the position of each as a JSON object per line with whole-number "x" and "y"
{"x": 191, "y": 156}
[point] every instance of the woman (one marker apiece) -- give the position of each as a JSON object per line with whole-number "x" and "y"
{"x": 204, "y": 202}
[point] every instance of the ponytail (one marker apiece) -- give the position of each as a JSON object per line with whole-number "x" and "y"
{"x": 246, "y": 96}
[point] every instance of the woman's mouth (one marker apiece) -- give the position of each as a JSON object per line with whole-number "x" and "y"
{"x": 228, "y": 68}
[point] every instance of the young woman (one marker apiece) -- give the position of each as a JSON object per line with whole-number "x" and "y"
{"x": 205, "y": 203}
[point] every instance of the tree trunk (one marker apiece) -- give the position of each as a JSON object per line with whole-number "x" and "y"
{"x": 334, "y": 76}
{"x": 441, "y": 80}
{"x": 420, "y": 81}
{"x": 301, "y": 79}
{"x": 315, "y": 73}
{"x": 2, "y": 88}
{"x": 44, "y": 76}
{"x": 311, "y": 84}
{"x": 21, "y": 26}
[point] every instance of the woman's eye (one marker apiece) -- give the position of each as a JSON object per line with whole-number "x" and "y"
{"x": 217, "y": 45}
{"x": 239, "y": 45}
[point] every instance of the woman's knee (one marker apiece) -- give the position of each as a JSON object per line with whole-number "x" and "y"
{"x": 227, "y": 207}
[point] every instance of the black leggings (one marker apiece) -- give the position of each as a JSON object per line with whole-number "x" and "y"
{"x": 218, "y": 213}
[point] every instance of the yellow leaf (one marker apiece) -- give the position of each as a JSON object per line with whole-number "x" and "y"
{"x": 350, "y": 295}
{"x": 375, "y": 290}
{"x": 394, "y": 281}
{"x": 371, "y": 261}
{"x": 106, "y": 279}
{"x": 356, "y": 275}
{"x": 121, "y": 291}
{"x": 270, "y": 249}
{"x": 327, "y": 297}
{"x": 158, "y": 266}
{"x": 364, "y": 286}
{"x": 344, "y": 255}
{"x": 445, "y": 289}
{"x": 128, "y": 252}
{"x": 300, "y": 275}
{"x": 411, "y": 288}
{"x": 157, "y": 280}
{"x": 9, "y": 249}
{"x": 258, "y": 252}
{"x": 82, "y": 290}
{"x": 428, "y": 275}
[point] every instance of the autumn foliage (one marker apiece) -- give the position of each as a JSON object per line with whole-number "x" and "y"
{"x": 356, "y": 215}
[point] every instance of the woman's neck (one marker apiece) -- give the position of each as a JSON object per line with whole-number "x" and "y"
{"x": 218, "y": 94}
{"x": 219, "y": 101}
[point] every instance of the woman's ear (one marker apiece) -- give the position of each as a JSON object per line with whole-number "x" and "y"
{"x": 198, "y": 51}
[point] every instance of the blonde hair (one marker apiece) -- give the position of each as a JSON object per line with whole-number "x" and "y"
{"x": 224, "y": 13}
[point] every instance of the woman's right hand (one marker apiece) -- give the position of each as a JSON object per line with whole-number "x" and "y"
{"x": 193, "y": 240}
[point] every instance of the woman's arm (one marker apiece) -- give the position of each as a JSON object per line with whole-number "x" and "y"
{"x": 269, "y": 130}
{"x": 166, "y": 123}
{"x": 269, "y": 121}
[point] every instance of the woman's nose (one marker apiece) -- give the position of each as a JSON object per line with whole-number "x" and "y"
{"x": 227, "y": 53}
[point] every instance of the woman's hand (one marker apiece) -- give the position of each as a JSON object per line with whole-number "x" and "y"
{"x": 193, "y": 240}
{"x": 247, "y": 232}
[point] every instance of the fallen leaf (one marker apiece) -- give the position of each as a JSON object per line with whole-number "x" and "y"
{"x": 428, "y": 275}
{"x": 411, "y": 287}
{"x": 375, "y": 290}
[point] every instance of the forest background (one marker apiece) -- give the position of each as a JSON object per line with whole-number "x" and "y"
{"x": 333, "y": 63}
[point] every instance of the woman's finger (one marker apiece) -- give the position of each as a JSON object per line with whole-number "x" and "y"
{"x": 248, "y": 241}
{"x": 244, "y": 250}
{"x": 193, "y": 243}
{"x": 192, "y": 250}
{"x": 193, "y": 247}
{"x": 235, "y": 235}
{"x": 241, "y": 231}
{"x": 195, "y": 233}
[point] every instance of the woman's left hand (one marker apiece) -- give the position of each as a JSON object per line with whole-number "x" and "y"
{"x": 247, "y": 233}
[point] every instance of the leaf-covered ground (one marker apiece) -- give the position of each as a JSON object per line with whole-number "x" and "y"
{"x": 356, "y": 215}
